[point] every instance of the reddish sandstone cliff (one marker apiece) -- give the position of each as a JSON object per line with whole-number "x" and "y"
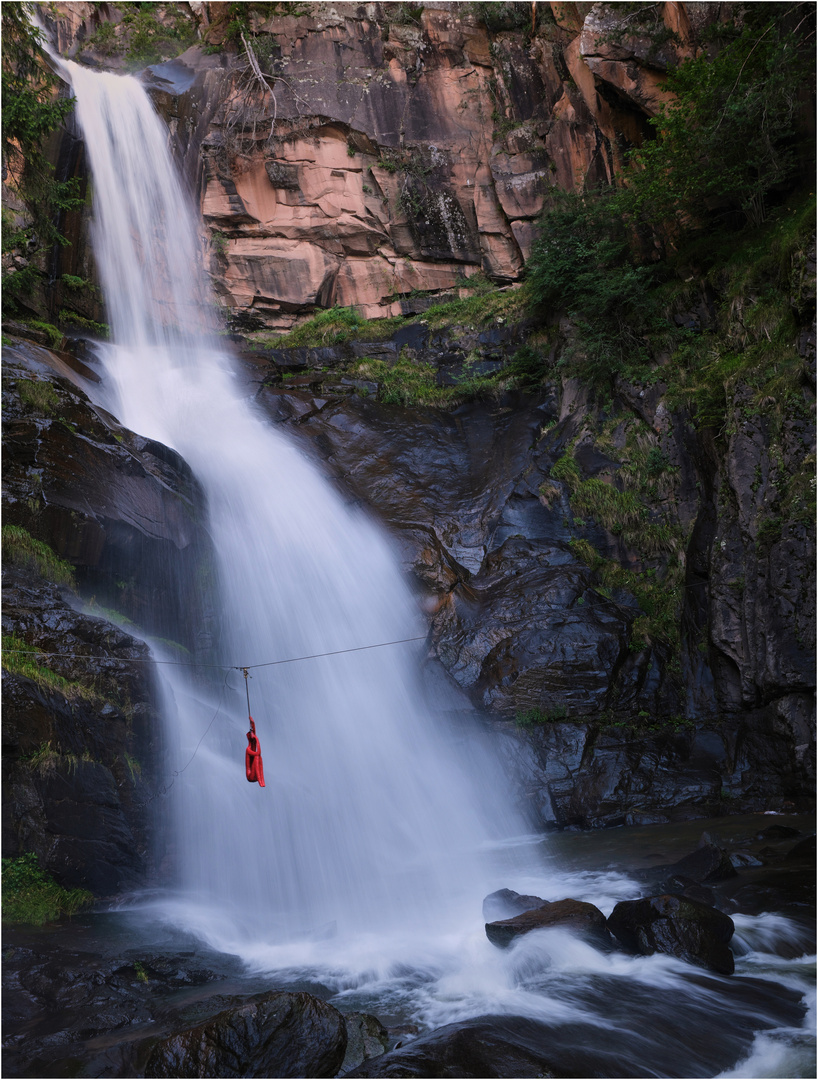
{"x": 398, "y": 150}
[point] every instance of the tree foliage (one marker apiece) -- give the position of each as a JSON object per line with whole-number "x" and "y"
{"x": 584, "y": 263}
{"x": 728, "y": 139}
{"x": 729, "y": 147}
{"x": 31, "y": 112}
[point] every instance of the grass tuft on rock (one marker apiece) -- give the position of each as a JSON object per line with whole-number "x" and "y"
{"x": 30, "y": 895}
{"x": 38, "y": 395}
{"x": 20, "y": 658}
{"x": 21, "y": 549}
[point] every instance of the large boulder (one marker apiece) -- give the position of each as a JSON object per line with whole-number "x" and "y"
{"x": 707, "y": 863}
{"x": 580, "y": 918}
{"x": 274, "y": 1034}
{"x": 678, "y": 926}
{"x": 366, "y": 1038}
{"x": 506, "y": 903}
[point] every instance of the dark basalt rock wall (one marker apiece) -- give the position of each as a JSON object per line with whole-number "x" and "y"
{"x": 124, "y": 510}
{"x": 80, "y": 760}
{"x": 82, "y": 757}
{"x": 720, "y": 721}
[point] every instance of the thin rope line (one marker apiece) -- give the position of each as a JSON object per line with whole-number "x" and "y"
{"x": 337, "y": 652}
{"x": 606, "y": 602}
{"x": 218, "y": 667}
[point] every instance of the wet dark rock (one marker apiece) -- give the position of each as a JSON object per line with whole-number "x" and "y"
{"x": 678, "y": 926}
{"x": 505, "y": 903}
{"x": 79, "y": 763}
{"x": 777, "y": 832}
{"x": 685, "y": 886}
{"x": 278, "y": 1034}
{"x": 574, "y": 915}
{"x": 689, "y": 1038}
{"x": 517, "y": 624}
{"x": 491, "y": 1047}
{"x": 366, "y": 1038}
{"x": 707, "y": 863}
{"x": 804, "y": 849}
{"x": 124, "y": 510}
{"x": 785, "y": 886}
{"x": 740, "y": 859}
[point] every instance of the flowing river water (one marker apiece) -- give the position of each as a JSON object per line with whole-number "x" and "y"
{"x": 361, "y": 866}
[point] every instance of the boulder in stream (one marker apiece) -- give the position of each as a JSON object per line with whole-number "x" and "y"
{"x": 574, "y": 915}
{"x": 678, "y": 926}
{"x": 506, "y": 903}
{"x": 708, "y": 862}
{"x": 366, "y": 1038}
{"x": 274, "y": 1034}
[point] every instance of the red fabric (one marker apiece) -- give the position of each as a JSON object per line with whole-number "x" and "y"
{"x": 253, "y": 765}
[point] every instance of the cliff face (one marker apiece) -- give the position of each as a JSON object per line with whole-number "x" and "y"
{"x": 396, "y": 150}
{"x": 656, "y": 670}
{"x": 82, "y": 750}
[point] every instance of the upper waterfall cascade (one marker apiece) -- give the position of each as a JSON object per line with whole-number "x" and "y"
{"x": 368, "y": 819}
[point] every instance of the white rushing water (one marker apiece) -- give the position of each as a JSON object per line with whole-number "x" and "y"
{"x": 367, "y": 821}
{"x": 364, "y": 861}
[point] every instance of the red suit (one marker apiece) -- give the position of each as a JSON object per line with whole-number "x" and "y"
{"x": 253, "y": 765}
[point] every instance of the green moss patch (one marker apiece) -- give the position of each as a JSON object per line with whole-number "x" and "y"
{"x": 30, "y": 895}
{"x": 38, "y": 395}
{"x": 21, "y": 549}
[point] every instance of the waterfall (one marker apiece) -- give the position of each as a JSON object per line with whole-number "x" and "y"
{"x": 368, "y": 823}
{"x": 359, "y": 869}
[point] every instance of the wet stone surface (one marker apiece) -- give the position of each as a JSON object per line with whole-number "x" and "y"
{"x": 110, "y": 995}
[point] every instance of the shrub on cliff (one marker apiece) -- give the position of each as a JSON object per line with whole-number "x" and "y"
{"x": 726, "y": 158}
{"x": 31, "y": 112}
{"x": 584, "y": 263}
{"x": 728, "y": 139}
{"x": 32, "y": 896}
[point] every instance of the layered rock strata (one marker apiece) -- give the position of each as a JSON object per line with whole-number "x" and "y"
{"x": 393, "y": 151}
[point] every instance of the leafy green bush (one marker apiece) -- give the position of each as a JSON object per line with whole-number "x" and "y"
{"x": 101, "y": 330}
{"x": 55, "y": 336}
{"x": 30, "y": 114}
{"x": 149, "y": 40}
{"x": 585, "y": 263}
{"x": 528, "y": 366}
{"x": 728, "y": 138}
{"x": 32, "y": 896}
{"x": 731, "y": 146}
{"x": 531, "y": 717}
{"x": 73, "y": 282}
{"x": 104, "y": 40}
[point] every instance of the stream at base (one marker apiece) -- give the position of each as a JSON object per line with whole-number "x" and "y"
{"x": 550, "y": 992}
{"x": 656, "y": 1015}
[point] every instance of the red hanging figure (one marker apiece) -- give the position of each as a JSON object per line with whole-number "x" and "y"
{"x": 253, "y": 765}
